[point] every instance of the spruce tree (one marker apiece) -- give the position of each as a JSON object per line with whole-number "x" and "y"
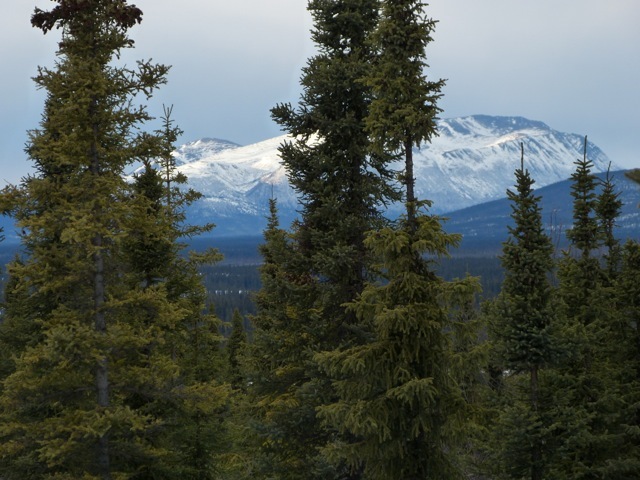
{"x": 399, "y": 403}
{"x": 91, "y": 390}
{"x": 399, "y": 406}
{"x": 279, "y": 361}
{"x": 195, "y": 407}
{"x": 608, "y": 209}
{"x": 583, "y": 383}
{"x": 585, "y": 235}
{"x": 329, "y": 161}
{"x": 623, "y": 352}
{"x": 341, "y": 187}
{"x": 580, "y": 272}
{"x": 522, "y": 331}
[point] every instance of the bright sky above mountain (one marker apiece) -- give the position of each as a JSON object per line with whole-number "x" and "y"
{"x": 574, "y": 65}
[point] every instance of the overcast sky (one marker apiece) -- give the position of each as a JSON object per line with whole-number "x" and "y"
{"x": 574, "y": 64}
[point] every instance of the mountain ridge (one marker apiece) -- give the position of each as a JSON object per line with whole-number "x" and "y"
{"x": 471, "y": 161}
{"x": 484, "y": 227}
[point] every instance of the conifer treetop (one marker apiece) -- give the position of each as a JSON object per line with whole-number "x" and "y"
{"x": 404, "y": 107}
{"x": 70, "y": 12}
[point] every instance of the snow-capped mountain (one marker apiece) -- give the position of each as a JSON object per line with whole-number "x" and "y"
{"x": 239, "y": 181}
{"x": 471, "y": 161}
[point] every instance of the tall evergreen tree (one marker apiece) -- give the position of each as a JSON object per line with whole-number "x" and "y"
{"x": 329, "y": 162}
{"x": 331, "y": 167}
{"x": 399, "y": 406}
{"x": 623, "y": 349}
{"x": 522, "y": 334}
{"x": 279, "y": 361}
{"x": 584, "y": 392}
{"x": 399, "y": 403}
{"x": 579, "y": 270}
{"x": 585, "y": 234}
{"x": 608, "y": 209}
{"x": 88, "y": 391}
{"x": 194, "y": 409}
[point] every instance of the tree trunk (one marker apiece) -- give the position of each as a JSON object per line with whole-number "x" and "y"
{"x": 410, "y": 182}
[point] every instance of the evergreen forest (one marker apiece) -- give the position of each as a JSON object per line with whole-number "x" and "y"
{"x": 359, "y": 349}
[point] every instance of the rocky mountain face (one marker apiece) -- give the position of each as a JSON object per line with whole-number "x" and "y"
{"x": 472, "y": 161}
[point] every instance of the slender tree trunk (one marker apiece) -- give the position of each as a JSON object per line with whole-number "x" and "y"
{"x": 410, "y": 183}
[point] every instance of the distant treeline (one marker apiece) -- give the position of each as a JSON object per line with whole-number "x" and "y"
{"x": 232, "y": 286}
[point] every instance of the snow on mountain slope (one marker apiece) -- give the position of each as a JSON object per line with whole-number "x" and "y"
{"x": 473, "y": 159}
{"x": 470, "y": 162}
{"x": 201, "y": 148}
{"x": 240, "y": 180}
{"x": 238, "y": 167}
